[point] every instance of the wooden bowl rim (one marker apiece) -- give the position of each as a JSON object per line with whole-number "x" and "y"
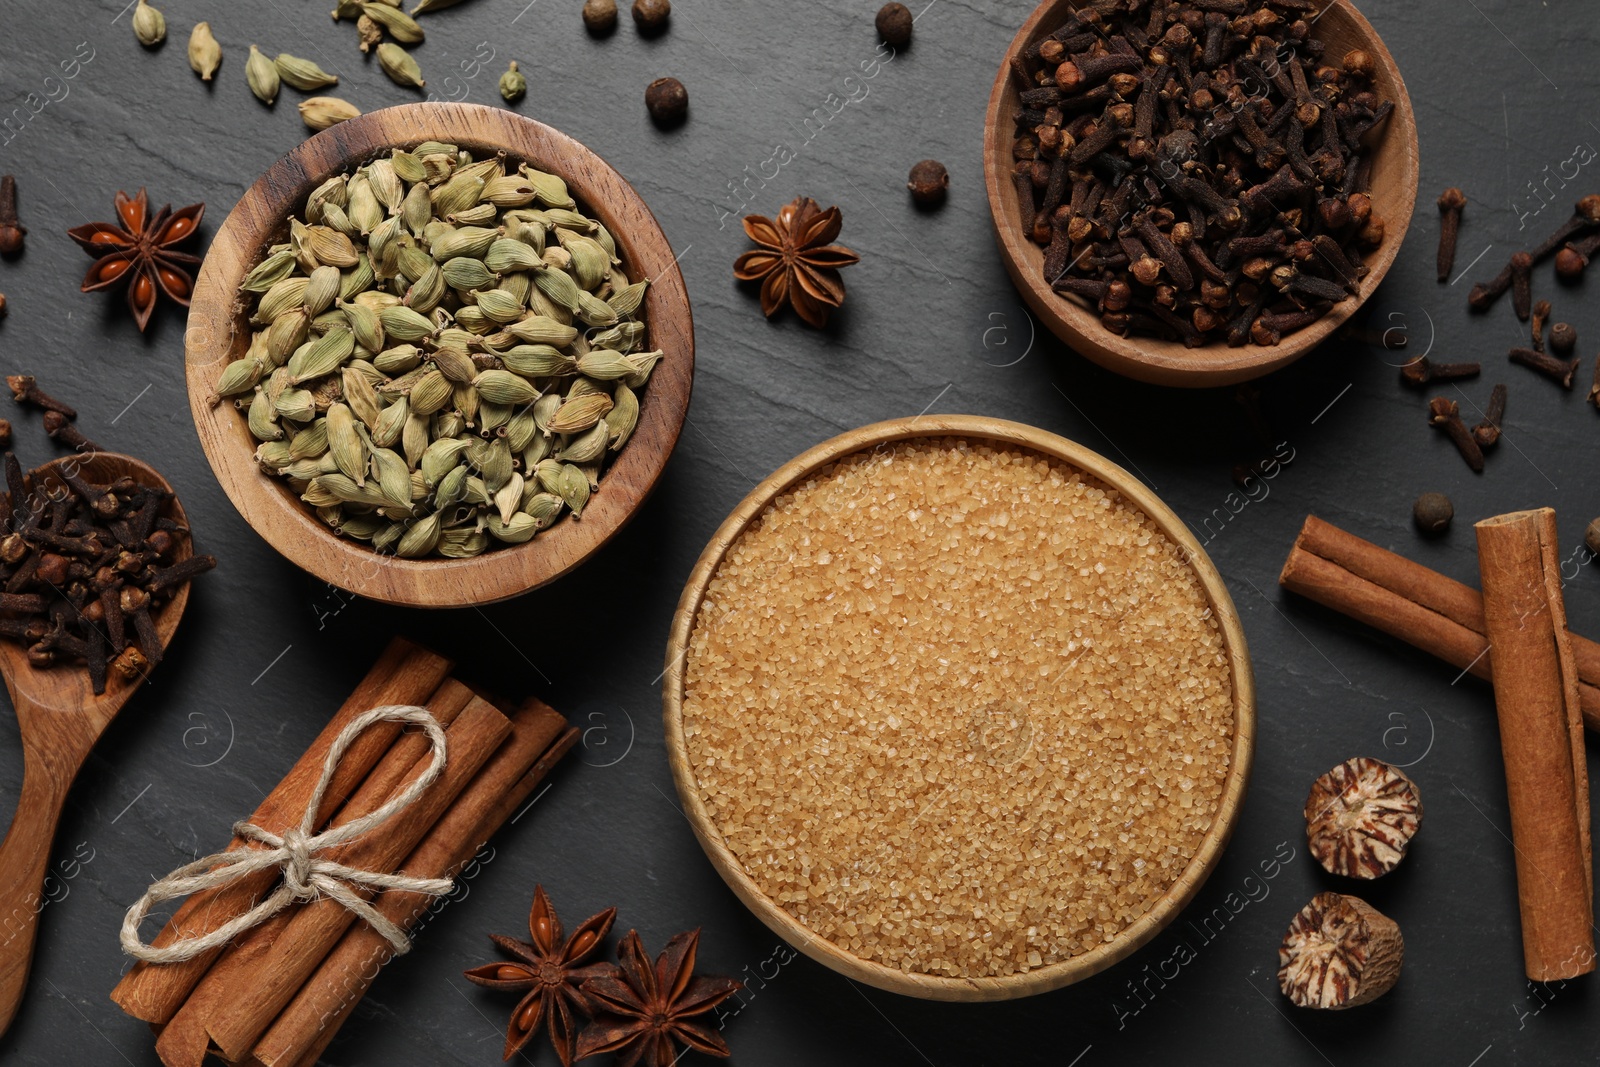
{"x": 927, "y": 986}
{"x": 271, "y": 508}
{"x": 1149, "y": 359}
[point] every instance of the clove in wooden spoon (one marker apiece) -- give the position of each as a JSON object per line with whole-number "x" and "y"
{"x": 60, "y": 718}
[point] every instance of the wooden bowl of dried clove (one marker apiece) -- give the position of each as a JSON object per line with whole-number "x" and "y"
{"x": 959, "y": 708}
{"x": 1226, "y": 221}
{"x": 507, "y": 507}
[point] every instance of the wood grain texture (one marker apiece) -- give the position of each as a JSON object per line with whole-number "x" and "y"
{"x": 218, "y": 332}
{"x": 929, "y": 986}
{"x": 60, "y": 718}
{"x": 1394, "y": 195}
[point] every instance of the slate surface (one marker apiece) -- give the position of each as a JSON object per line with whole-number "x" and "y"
{"x": 1504, "y": 94}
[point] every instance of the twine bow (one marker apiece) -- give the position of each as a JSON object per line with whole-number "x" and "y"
{"x": 305, "y": 876}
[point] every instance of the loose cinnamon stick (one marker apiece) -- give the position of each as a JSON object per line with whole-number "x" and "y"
{"x": 1404, "y": 599}
{"x": 185, "y": 1039}
{"x": 1541, "y": 739}
{"x": 260, "y": 991}
{"x": 404, "y": 674}
{"x": 539, "y": 738}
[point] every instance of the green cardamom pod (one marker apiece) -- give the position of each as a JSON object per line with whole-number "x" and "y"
{"x": 426, "y": 292}
{"x": 471, "y": 241}
{"x": 431, "y": 393}
{"x": 499, "y": 306}
{"x": 458, "y": 194}
{"x": 330, "y": 247}
{"x": 543, "y": 508}
{"x": 357, "y": 279}
{"x": 320, "y": 112}
{"x": 462, "y": 543}
{"x": 205, "y": 54}
{"x": 324, "y": 357}
{"x": 262, "y": 419}
{"x": 543, "y": 330}
{"x": 579, "y": 414}
{"x": 623, "y": 337}
{"x": 366, "y": 211}
{"x": 480, "y": 214}
{"x": 423, "y": 535}
{"x": 513, "y": 84}
{"x": 471, "y": 319}
{"x": 273, "y": 455}
{"x": 573, "y": 488}
{"x": 605, "y": 365}
{"x": 496, "y": 469}
{"x": 401, "y": 27}
{"x": 404, "y": 324}
{"x": 466, "y": 398}
{"x": 504, "y": 387}
{"x": 345, "y": 444}
{"x": 333, "y": 215}
{"x": 519, "y": 530}
{"x": 548, "y": 189}
{"x": 385, "y": 183}
{"x": 361, "y": 396}
{"x": 323, "y": 290}
{"x": 441, "y": 457}
{"x": 283, "y": 296}
{"x": 366, "y": 326}
{"x": 594, "y": 311}
{"x": 465, "y": 273}
{"x": 302, "y": 74}
{"x": 643, "y": 363}
{"x": 399, "y": 359}
{"x": 333, "y": 191}
{"x": 269, "y": 272}
{"x": 559, "y": 287}
{"x": 400, "y": 65}
{"x": 587, "y": 446}
{"x": 415, "y": 437}
{"x": 296, "y": 405}
{"x": 590, "y": 264}
{"x": 455, "y": 364}
{"x": 391, "y": 424}
{"x": 508, "y": 191}
{"x": 286, "y": 334}
{"x": 538, "y": 361}
{"x": 407, "y": 166}
{"x": 262, "y": 75}
{"x": 508, "y": 498}
{"x": 394, "y": 477}
{"x": 416, "y": 211}
{"x": 310, "y": 442}
{"x": 627, "y": 301}
{"x": 506, "y": 254}
{"x": 623, "y": 417}
{"x": 149, "y": 25}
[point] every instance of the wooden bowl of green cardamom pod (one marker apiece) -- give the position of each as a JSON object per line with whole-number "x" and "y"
{"x": 439, "y": 354}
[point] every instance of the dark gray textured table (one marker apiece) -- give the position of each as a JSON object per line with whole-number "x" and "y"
{"x": 1504, "y": 96}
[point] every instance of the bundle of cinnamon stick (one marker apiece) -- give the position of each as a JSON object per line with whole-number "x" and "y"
{"x": 277, "y": 994}
{"x": 1546, "y": 685}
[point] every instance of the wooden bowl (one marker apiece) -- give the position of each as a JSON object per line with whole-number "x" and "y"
{"x": 928, "y": 986}
{"x": 218, "y": 331}
{"x": 1149, "y": 359}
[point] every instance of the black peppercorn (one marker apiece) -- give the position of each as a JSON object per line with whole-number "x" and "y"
{"x": 928, "y": 183}
{"x": 1433, "y": 512}
{"x": 1591, "y": 537}
{"x": 668, "y": 101}
{"x": 1563, "y": 338}
{"x": 894, "y": 25}
{"x": 651, "y": 16}
{"x": 600, "y": 16}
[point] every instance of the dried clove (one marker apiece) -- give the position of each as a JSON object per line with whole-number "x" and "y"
{"x": 1560, "y": 371}
{"x": 1422, "y": 370}
{"x": 1585, "y": 218}
{"x": 11, "y": 230}
{"x": 1444, "y": 415}
{"x": 1521, "y": 284}
{"x": 25, "y": 390}
{"x": 1451, "y": 201}
{"x": 1487, "y": 432}
{"x": 1541, "y": 315}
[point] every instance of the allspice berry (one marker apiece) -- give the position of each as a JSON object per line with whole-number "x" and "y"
{"x": 1591, "y": 537}
{"x": 1563, "y": 338}
{"x": 1432, "y": 513}
{"x": 651, "y": 16}
{"x": 600, "y": 16}
{"x": 1570, "y": 265}
{"x": 894, "y": 24}
{"x": 929, "y": 182}
{"x": 668, "y": 102}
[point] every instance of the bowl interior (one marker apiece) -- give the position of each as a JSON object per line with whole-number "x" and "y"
{"x": 219, "y": 332}
{"x": 874, "y": 973}
{"x": 1394, "y": 191}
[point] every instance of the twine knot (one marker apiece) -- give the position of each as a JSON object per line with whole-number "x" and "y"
{"x": 305, "y": 875}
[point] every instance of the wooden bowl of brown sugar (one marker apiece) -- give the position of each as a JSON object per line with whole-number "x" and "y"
{"x": 959, "y": 708}
{"x": 1393, "y": 190}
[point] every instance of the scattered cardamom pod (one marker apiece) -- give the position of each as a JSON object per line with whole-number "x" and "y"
{"x": 419, "y": 370}
{"x": 400, "y": 65}
{"x": 149, "y": 25}
{"x": 513, "y": 84}
{"x": 320, "y": 112}
{"x": 205, "y": 54}
{"x": 397, "y": 23}
{"x": 262, "y": 74}
{"x": 303, "y": 74}
{"x": 368, "y": 33}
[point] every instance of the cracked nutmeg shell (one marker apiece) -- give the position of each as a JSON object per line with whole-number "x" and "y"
{"x": 1361, "y": 816}
{"x": 1339, "y": 952}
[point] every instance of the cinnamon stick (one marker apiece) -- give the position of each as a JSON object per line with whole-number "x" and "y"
{"x": 1404, "y": 599}
{"x": 404, "y": 674}
{"x": 185, "y": 1039}
{"x": 539, "y": 738}
{"x": 259, "y": 990}
{"x": 1541, "y": 740}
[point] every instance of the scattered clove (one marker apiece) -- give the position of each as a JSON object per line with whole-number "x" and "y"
{"x": 25, "y": 390}
{"x": 1521, "y": 284}
{"x": 62, "y": 431}
{"x": 1594, "y": 390}
{"x": 11, "y": 230}
{"x": 1422, "y": 370}
{"x": 1560, "y": 371}
{"x": 1541, "y": 315}
{"x": 1451, "y": 201}
{"x": 1444, "y": 415}
{"x": 1585, "y": 219}
{"x": 1487, "y": 432}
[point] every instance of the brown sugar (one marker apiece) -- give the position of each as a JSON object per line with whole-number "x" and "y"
{"x": 958, "y": 708}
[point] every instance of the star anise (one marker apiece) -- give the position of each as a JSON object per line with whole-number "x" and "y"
{"x": 550, "y": 974}
{"x": 141, "y": 253}
{"x": 642, "y": 1010}
{"x": 795, "y": 263}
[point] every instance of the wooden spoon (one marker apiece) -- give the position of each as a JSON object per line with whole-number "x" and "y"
{"x": 60, "y": 718}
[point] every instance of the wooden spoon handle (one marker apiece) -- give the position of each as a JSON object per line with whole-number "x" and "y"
{"x": 24, "y": 861}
